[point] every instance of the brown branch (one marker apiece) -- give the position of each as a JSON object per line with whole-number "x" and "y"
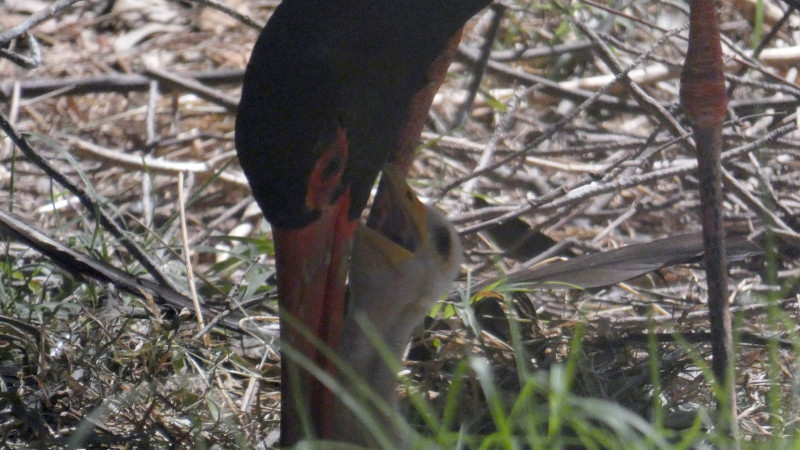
{"x": 44, "y": 14}
{"x": 86, "y": 199}
{"x": 212, "y": 95}
{"x": 579, "y": 191}
{"x": 111, "y": 83}
{"x": 81, "y": 265}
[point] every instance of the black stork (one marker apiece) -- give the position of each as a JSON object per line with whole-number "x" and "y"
{"x": 333, "y": 91}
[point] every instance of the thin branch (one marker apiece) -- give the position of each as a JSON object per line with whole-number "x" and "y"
{"x": 87, "y": 201}
{"x": 40, "y": 16}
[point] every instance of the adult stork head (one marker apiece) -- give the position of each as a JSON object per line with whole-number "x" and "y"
{"x": 333, "y": 90}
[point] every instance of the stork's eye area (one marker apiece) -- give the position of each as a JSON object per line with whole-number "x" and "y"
{"x": 442, "y": 241}
{"x": 333, "y": 166}
{"x": 326, "y": 175}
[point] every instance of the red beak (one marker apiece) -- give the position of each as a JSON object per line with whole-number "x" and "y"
{"x": 312, "y": 263}
{"x": 312, "y": 270}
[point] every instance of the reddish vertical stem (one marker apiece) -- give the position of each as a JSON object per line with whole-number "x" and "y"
{"x": 704, "y": 99}
{"x": 318, "y": 304}
{"x": 702, "y": 92}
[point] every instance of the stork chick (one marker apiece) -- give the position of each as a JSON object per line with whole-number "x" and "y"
{"x": 397, "y": 274}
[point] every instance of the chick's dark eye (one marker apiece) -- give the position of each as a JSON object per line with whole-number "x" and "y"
{"x": 441, "y": 239}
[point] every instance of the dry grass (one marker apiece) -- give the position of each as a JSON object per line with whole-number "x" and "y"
{"x": 84, "y": 364}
